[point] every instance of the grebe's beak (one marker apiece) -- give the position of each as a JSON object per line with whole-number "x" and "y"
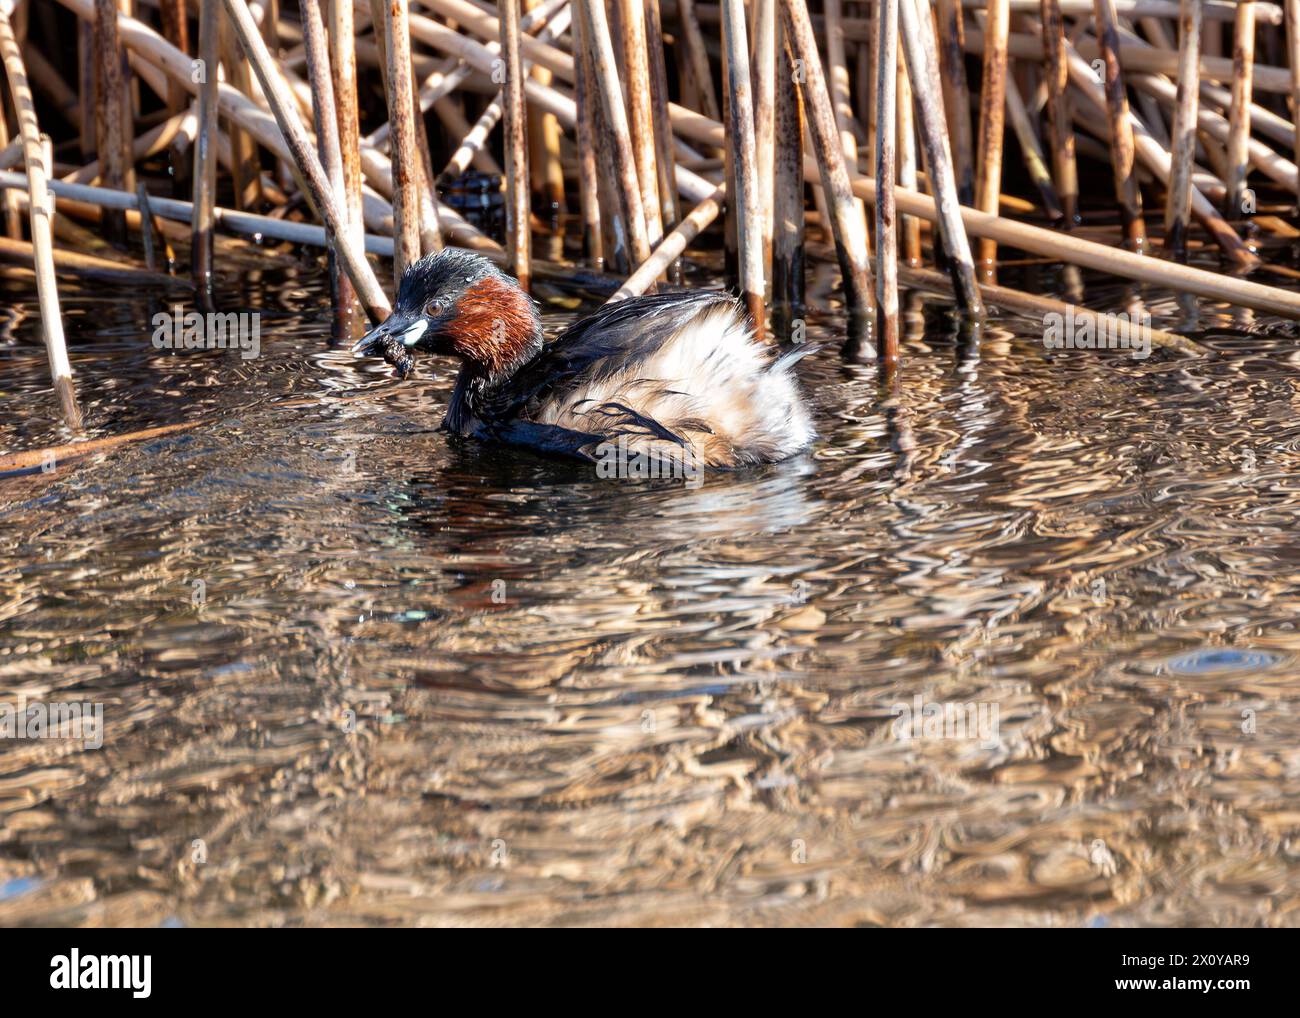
{"x": 404, "y": 330}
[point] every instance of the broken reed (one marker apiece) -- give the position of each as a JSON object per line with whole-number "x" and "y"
{"x": 775, "y": 122}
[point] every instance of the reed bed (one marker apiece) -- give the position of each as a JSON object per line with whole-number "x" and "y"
{"x": 916, "y": 144}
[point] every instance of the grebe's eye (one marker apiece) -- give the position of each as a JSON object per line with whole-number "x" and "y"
{"x": 433, "y": 309}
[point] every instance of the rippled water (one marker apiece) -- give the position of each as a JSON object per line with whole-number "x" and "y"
{"x": 431, "y": 682}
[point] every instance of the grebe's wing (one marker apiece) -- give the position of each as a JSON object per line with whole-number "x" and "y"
{"x": 613, "y": 339}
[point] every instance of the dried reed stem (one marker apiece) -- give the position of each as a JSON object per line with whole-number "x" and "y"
{"x": 1123, "y": 149}
{"x": 909, "y": 227}
{"x": 743, "y": 181}
{"x": 205, "y": 151}
{"x": 1061, "y": 124}
{"x": 176, "y": 30}
{"x": 111, "y": 130}
{"x": 407, "y": 171}
{"x": 847, "y": 223}
{"x": 245, "y": 167}
{"x": 886, "y": 222}
{"x": 788, "y": 190}
{"x": 956, "y": 95}
{"x": 837, "y": 80}
{"x": 474, "y": 141}
{"x": 763, "y": 62}
{"x": 632, "y": 22}
{"x": 343, "y": 69}
{"x": 923, "y": 67}
{"x": 1032, "y": 153}
{"x": 587, "y": 129}
{"x": 40, "y": 213}
{"x": 1243, "y": 68}
{"x": 518, "y": 233}
{"x": 1178, "y": 204}
{"x": 1293, "y": 54}
{"x": 325, "y": 120}
{"x": 992, "y": 119}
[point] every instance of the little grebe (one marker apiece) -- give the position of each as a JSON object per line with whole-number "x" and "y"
{"x": 670, "y": 373}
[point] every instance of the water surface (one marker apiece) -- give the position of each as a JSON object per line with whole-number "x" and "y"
{"x": 354, "y": 672}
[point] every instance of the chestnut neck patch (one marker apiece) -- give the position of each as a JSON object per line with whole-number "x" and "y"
{"x": 496, "y": 328}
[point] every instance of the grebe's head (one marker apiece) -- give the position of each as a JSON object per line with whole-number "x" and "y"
{"x": 458, "y": 304}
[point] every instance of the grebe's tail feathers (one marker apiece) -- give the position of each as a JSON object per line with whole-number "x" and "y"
{"x": 794, "y": 355}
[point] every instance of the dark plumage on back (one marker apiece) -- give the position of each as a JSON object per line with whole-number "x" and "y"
{"x": 613, "y": 339}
